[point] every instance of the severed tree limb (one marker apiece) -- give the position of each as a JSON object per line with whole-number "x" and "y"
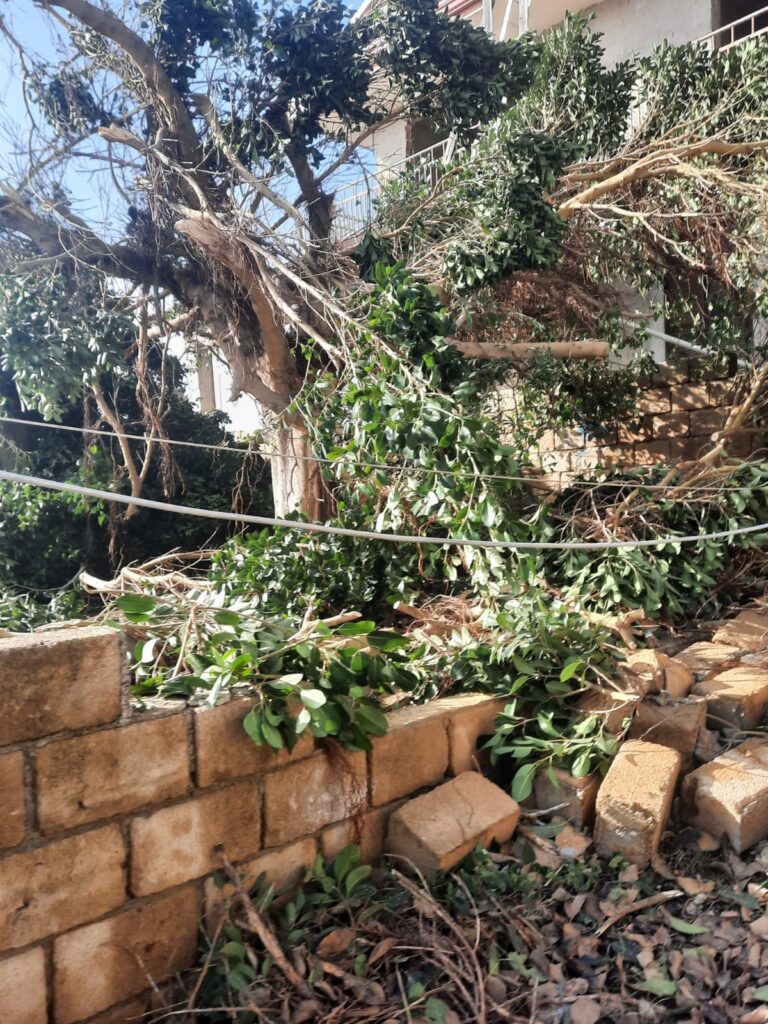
{"x": 528, "y": 350}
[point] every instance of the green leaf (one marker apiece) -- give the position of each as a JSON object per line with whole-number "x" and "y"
{"x": 571, "y": 669}
{"x": 662, "y": 987}
{"x": 359, "y": 628}
{"x": 136, "y": 604}
{"x": 743, "y": 899}
{"x": 354, "y": 878}
{"x": 522, "y": 783}
{"x": 252, "y": 723}
{"x": 760, "y": 994}
{"x": 313, "y": 699}
{"x": 685, "y": 927}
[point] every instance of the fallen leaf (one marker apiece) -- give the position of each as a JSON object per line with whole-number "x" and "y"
{"x": 585, "y": 1011}
{"x": 758, "y": 1016}
{"x": 572, "y": 843}
{"x": 381, "y": 949}
{"x": 694, "y": 886}
{"x": 336, "y": 942}
{"x": 662, "y": 987}
{"x": 760, "y": 927}
{"x": 685, "y": 927}
{"x": 760, "y": 994}
{"x": 630, "y": 873}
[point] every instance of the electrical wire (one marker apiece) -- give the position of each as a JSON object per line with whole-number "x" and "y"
{"x": 385, "y": 467}
{"x": 396, "y": 538}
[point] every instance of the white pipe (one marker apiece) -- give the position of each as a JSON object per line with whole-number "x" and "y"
{"x": 507, "y": 19}
{"x": 523, "y": 16}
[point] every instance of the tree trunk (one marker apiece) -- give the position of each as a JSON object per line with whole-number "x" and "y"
{"x": 297, "y": 480}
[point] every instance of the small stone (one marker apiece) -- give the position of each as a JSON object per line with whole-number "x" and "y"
{"x": 729, "y": 796}
{"x": 437, "y": 830}
{"x": 736, "y": 698}
{"x": 634, "y": 801}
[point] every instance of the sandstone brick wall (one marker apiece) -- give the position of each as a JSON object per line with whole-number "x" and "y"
{"x": 111, "y": 821}
{"x": 683, "y": 404}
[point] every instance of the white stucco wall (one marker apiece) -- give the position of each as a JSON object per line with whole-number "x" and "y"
{"x": 637, "y": 26}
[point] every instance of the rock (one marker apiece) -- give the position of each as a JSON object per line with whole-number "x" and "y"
{"x": 672, "y": 723}
{"x": 748, "y": 631}
{"x": 705, "y": 658}
{"x": 634, "y": 801}
{"x": 578, "y": 794}
{"x": 437, "y": 830}
{"x": 738, "y": 697}
{"x": 614, "y": 707}
{"x": 729, "y": 796}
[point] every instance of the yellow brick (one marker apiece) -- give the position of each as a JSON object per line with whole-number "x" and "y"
{"x": 412, "y": 755}
{"x": 12, "y": 824}
{"x": 23, "y": 989}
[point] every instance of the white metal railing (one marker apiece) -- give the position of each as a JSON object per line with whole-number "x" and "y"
{"x": 354, "y": 203}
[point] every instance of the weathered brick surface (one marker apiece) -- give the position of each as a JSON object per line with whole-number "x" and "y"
{"x": 634, "y": 801}
{"x": 579, "y": 795}
{"x": 283, "y": 868}
{"x": 737, "y": 697}
{"x": 470, "y": 717}
{"x": 729, "y": 796}
{"x": 225, "y": 751}
{"x": 413, "y": 754}
{"x": 672, "y": 723}
{"x": 706, "y": 421}
{"x": 437, "y": 830}
{"x": 51, "y": 682}
{"x": 690, "y": 396}
{"x": 655, "y": 401}
{"x": 368, "y": 833}
{"x": 704, "y": 658}
{"x": 133, "y": 1011}
{"x": 112, "y": 772}
{"x": 60, "y": 885}
{"x": 23, "y": 990}
{"x": 12, "y": 825}
{"x": 661, "y": 672}
{"x": 613, "y": 707}
{"x": 748, "y": 631}
{"x": 674, "y": 424}
{"x": 305, "y": 797}
{"x": 112, "y": 960}
{"x": 176, "y": 844}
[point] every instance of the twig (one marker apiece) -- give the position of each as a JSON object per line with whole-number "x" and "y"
{"x": 633, "y": 908}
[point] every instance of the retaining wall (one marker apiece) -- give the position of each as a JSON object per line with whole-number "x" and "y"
{"x": 111, "y": 822}
{"x": 682, "y": 405}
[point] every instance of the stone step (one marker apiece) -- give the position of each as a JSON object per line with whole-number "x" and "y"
{"x": 737, "y": 697}
{"x": 437, "y": 830}
{"x": 729, "y": 796}
{"x": 634, "y": 801}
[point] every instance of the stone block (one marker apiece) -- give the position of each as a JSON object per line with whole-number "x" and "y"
{"x": 579, "y": 795}
{"x": 437, "y": 830}
{"x": 655, "y": 400}
{"x": 661, "y": 672}
{"x": 634, "y": 801}
{"x": 134, "y": 1011}
{"x": 612, "y": 706}
{"x": 412, "y": 755}
{"x": 23, "y": 988}
{"x": 67, "y": 679}
{"x": 305, "y": 797}
{"x": 748, "y": 631}
{"x": 737, "y": 697}
{"x": 471, "y": 716}
{"x": 110, "y": 961}
{"x": 675, "y": 424}
{"x": 86, "y": 778}
{"x": 225, "y": 751}
{"x": 179, "y": 843}
{"x": 368, "y": 832}
{"x": 705, "y": 658}
{"x": 12, "y": 813}
{"x": 705, "y": 422}
{"x": 729, "y": 796}
{"x": 59, "y": 886}
{"x": 690, "y": 396}
{"x": 672, "y": 723}
{"x": 283, "y": 868}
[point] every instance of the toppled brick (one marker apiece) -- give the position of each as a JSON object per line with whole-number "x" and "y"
{"x": 613, "y": 707}
{"x": 634, "y": 801}
{"x": 737, "y": 697}
{"x": 437, "y": 830}
{"x": 729, "y": 796}
{"x": 672, "y": 723}
{"x": 748, "y": 631}
{"x": 704, "y": 658}
{"x": 661, "y": 672}
{"x": 555, "y": 787}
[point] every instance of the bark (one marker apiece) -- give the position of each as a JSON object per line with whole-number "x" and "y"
{"x": 524, "y": 351}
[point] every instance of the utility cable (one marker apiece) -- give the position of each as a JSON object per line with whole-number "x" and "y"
{"x": 396, "y": 538}
{"x": 385, "y": 467}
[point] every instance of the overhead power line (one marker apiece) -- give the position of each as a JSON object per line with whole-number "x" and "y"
{"x": 395, "y": 538}
{"x": 406, "y": 468}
